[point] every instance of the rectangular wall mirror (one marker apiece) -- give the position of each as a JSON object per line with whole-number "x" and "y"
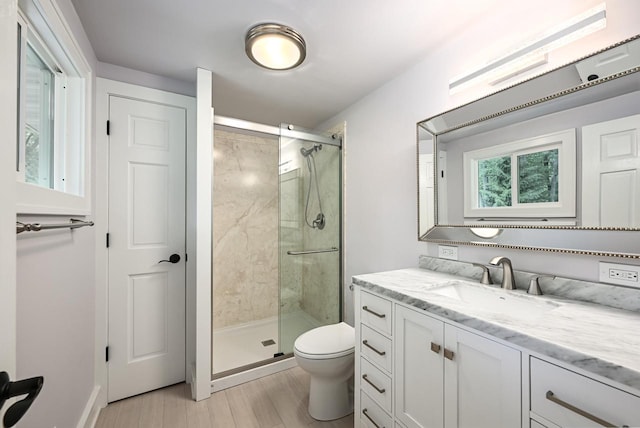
{"x": 549, "y": 164}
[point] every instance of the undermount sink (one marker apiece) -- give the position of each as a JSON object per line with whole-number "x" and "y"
{"x": 496, "y": 300}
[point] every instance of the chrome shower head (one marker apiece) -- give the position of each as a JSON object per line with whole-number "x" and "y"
{"x": 307, "y": 152}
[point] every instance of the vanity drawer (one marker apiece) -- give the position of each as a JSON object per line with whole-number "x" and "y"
{"x": 376, "y": 384}
{"x": 375, "y": 347}
{"x": 375, "y": 312}
{"x": 550, "y": 382}
{"x": 372, "y": 415}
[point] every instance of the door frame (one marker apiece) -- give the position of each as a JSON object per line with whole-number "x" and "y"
{"x": 104, "y": 89}
{"x": 8, "y": 116}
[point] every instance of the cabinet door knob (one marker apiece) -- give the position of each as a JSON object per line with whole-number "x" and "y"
{"x": 435, "y": 348}
{"x": 448, "y": 354}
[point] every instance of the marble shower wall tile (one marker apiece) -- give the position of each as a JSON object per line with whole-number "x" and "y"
{"x": 245, "y": 228}
{"x": 321, "y": 272}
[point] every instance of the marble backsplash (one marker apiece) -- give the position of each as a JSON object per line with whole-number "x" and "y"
{"x": 584, "y": 291}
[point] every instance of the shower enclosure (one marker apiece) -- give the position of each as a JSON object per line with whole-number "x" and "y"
{"x": 277, "y": 221}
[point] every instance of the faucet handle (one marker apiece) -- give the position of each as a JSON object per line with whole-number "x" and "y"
{"x": 534, "y": 285}
{"x": 486, "y": 276}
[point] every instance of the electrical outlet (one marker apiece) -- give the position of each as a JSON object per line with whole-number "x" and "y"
{"x": 447, "y": 252}
{"x": 614, "y": 273}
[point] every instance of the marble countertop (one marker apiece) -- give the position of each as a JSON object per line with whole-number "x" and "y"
{"x": 596, "y": 338}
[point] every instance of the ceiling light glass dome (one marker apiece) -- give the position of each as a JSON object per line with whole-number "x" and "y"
{"x": 275, "y": 46}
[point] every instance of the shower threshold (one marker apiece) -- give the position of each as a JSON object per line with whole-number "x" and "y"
{"x": 249, "y": 372}
{"x": 250, "y": 366}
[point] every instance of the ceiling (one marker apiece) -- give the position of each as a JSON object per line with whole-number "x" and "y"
{"x": 353, "y": 47}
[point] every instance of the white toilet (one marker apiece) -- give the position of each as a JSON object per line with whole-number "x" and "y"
{"x": 327, "y": 354}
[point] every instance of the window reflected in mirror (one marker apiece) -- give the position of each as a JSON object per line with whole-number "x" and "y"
{"x": 538, "y": 177}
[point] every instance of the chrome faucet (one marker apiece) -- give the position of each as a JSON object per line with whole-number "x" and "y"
{"x": 508, "y": 281}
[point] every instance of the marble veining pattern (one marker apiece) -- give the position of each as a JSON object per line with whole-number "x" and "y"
{"x": 599, "y": 339}
{"x": 574, "y": 289}
{"x": 245, "y": 228}
{"x": 321, "y": 272}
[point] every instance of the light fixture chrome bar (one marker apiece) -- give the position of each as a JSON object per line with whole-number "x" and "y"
{"x": 36, "y": 227}
{"x": 246, "y": 125}
{"x": 590, "y": 18}
{"x": 300, "y": 253}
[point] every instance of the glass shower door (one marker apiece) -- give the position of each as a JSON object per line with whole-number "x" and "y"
{"x": 310, "y": 230}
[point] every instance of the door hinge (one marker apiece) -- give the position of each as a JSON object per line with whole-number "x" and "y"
{"x": 106, "y": 354}
{"x": 186, "y": 257}
{"x": 108, "y": 127}
{"x": 107, "y": 240}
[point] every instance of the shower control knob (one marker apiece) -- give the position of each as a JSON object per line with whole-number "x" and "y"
{"x": 173, "y": 258}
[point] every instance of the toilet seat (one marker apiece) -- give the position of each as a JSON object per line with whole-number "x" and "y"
{"x": 326, "y": 342}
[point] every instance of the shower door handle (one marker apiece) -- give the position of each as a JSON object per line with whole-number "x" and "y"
{"x": 299, "y": 253}
{"x": 173, "y": 258}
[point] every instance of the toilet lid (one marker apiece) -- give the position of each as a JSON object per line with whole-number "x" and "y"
{"x": 329, "y": 341}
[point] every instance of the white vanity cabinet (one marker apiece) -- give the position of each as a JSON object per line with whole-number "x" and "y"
{"x": 448, "y": 377}
{"x": 424, "y": 372}
{"x": 373, "y": 401}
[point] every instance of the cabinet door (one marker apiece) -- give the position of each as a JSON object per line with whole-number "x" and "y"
{"x": 482, "y": 382}
{"x": 418, "y": 369}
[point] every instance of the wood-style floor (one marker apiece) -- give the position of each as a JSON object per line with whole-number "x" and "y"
{"x": 276, "y": 401}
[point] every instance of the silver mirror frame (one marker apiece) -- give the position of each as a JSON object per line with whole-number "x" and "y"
{"x": 592, "y": 241}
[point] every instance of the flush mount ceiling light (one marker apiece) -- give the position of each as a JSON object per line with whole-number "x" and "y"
{"x": 275, "y": 46}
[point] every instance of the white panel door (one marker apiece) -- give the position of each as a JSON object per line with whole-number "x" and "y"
{"x": 611, "y": 173}
{"x": 146, "y": 225}
{"x": 419, "y": 342}
{"x": 482, "y": 382}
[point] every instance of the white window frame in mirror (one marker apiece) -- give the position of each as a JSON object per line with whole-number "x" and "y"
{"x": 41, "y": 24}
{"x": 564, "y": 141}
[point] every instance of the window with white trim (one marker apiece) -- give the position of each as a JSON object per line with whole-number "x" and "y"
{"x": 530, "y": 178}
{"x": 53, "y": 144}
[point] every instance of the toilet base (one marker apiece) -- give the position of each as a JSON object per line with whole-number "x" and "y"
{"x": 330, "y": 400}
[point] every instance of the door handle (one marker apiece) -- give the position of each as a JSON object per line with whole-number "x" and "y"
{"x": 173, "y": 258}
{"x": 31, "y": 387}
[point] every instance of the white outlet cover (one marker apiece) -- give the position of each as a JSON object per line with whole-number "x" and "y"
{"x": 447, "y": 252}
{"x": 605, "y": 276}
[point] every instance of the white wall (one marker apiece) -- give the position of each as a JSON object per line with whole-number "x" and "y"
{"x": 148, "y": 80}
{"x": 381, "y": 183}
{"x": 55, "y": 305}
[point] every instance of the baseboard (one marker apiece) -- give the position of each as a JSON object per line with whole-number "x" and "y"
{"x": 91, "y": 411}
{"x": 252, "y": 374}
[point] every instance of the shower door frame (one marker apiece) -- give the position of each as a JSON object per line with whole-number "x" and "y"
{"x": 259, "y": 369}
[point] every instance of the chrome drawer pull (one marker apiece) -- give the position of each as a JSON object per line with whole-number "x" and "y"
{"x": 380, "y": 390}
{"x": 364, "y": 412}
{"x": 366, "y": 308}
{"x": 551, "y": 397}
{"x": 366, "y": 343}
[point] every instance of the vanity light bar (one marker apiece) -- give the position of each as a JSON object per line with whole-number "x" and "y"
{"x": 533, "y": 53}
